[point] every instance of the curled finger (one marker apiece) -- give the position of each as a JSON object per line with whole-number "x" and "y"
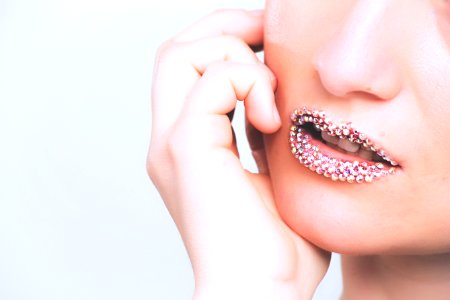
{"x": 216, "y": 94}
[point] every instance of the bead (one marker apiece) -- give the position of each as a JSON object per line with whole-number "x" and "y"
{"x": 310, "y": 156}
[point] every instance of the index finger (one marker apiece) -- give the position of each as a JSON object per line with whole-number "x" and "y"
{"x": 221, "y": 36}
{"x": 246, "y": 25}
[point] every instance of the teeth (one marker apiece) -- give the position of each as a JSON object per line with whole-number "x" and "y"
{"x": 348, "y": 146}
{"x": 343, "y": 139}
{"x": 330, "y": 139}
{"x": 334, "y": 146}
{"x": 366, "y": 154}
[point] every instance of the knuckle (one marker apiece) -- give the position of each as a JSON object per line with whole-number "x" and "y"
{"x": 152, "y": 165}
{"x": 151, "y": 172}
{"x": 169, "y": 55}
{"x": 171, "y": 50}
{"x": 158, "y": 163}
{"x": 166, "y": 49}
{"x": 163, "y": 48}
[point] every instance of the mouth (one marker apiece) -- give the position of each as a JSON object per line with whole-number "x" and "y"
{"x": 337, "y": 150}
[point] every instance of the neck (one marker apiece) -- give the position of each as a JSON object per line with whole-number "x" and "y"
{"x": 396, "y": 277}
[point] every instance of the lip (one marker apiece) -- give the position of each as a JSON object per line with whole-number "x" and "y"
{"x": 324, "y": 160}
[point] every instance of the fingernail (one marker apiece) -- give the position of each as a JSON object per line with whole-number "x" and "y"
{"x": 257, "y": 12}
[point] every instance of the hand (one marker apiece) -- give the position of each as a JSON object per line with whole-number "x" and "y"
{"x": 237, "y": 243}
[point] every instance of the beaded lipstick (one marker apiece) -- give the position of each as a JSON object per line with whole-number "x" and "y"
{"x": 315, "y": 140}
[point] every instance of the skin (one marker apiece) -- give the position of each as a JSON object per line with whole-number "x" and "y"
{"x": 268, "y": 235}
{"x": 237, "y": 243}
{"x": 382, "y": 65}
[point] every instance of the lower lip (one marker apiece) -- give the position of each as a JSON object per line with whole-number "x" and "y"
{"x": 326, "y": 161}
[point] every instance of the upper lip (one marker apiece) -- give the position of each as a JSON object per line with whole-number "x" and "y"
{"x": 346, "y": 130}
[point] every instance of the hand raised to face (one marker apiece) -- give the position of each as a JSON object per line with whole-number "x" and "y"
{"x": 238, "y": 245}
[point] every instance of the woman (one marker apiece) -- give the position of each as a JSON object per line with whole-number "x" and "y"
{"x": 351, "y": 111}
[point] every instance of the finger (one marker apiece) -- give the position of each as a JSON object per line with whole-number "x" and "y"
{"x": 207, "y": 109}
{"x": 202, "y": 52}
{"x": 313, "y": 264}
{"x": 181, "y": 62}
{"x": 256, "y": 143}
{"x": 179, "y": 67}
{"x": 246, "y": 25}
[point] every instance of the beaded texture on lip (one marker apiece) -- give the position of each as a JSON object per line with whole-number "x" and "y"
{"x": 310, "y": 156}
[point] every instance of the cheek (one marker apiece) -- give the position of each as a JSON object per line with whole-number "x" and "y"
{"x": 426, "y": 108}
{"x": 392, "y": 218}
{"x": 309, "y": 204}
{"x": 295, "y": 21}
{"x": 405, "y": 215}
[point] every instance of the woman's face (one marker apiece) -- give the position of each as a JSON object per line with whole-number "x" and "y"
{"x": 384, "y": 66}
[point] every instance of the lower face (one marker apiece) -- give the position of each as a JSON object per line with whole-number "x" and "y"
{"x": 384, "y": 67}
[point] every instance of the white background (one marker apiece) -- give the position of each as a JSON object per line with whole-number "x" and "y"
{"x": 79, "y": 218}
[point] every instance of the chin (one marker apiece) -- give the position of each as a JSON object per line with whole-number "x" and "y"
{"x": 386, "y": 217}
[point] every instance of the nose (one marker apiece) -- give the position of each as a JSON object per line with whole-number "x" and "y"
{"x": 359, "y": 56}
